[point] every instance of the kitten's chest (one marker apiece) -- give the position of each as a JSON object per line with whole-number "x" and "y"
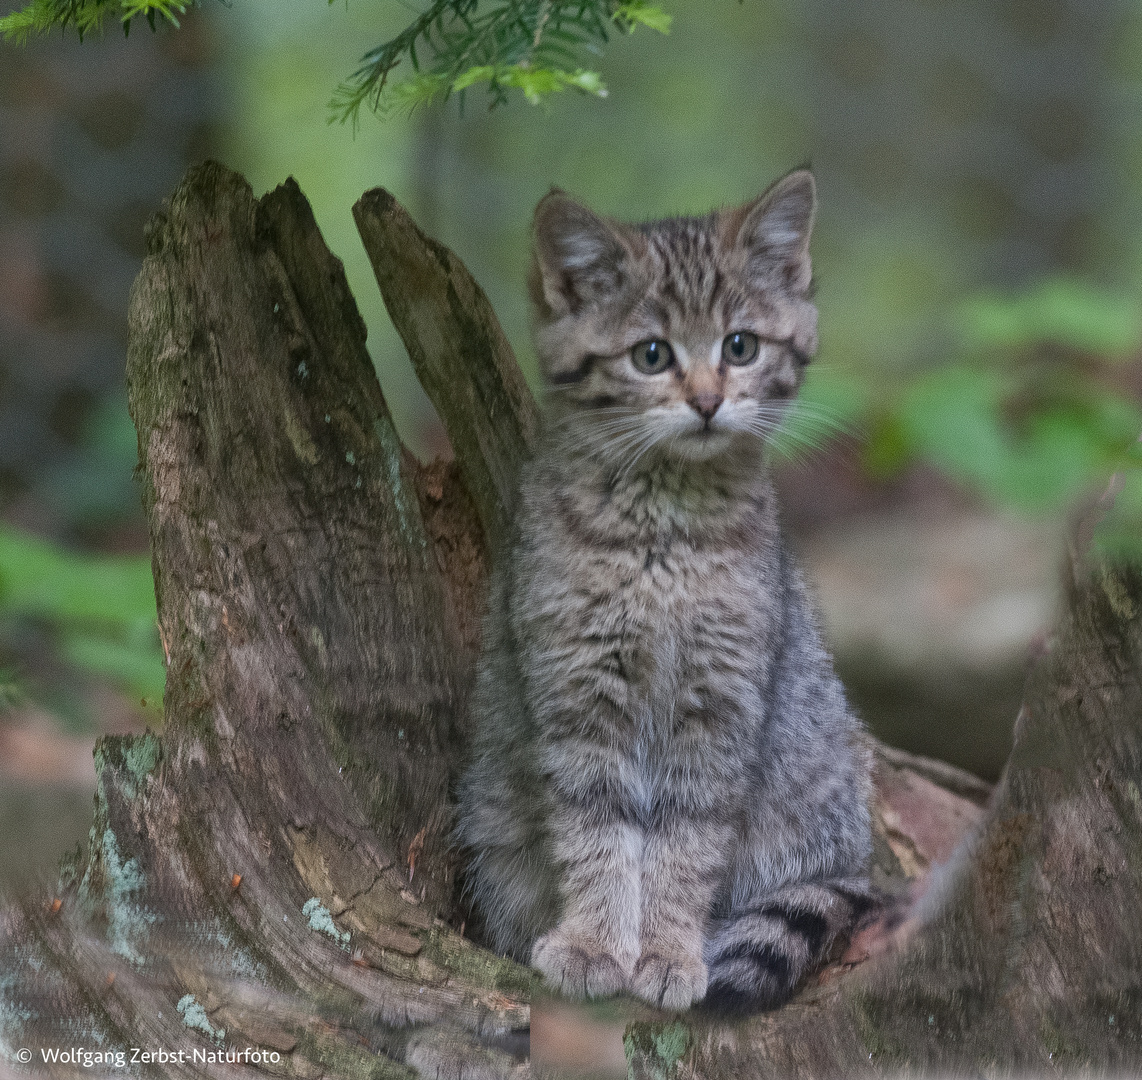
{"x": 669, "y": 609}
{"x": 672, "y": 631}
{"x": 682, "y": 613}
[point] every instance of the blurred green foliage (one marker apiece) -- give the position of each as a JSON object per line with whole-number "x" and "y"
{"x": 100, "y": 608}
{"x": 1029, "y": 412}
{"x": 94, "y": 489}
{"x": 1057, "y": 311}
{"x": 10, "y": 693}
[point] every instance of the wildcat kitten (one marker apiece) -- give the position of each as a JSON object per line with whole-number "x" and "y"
{"x": 668, "y": 793}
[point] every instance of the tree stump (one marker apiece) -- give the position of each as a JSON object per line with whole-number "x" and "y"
{"x": 272, "y": 874}
{"x": 278, "y": 859}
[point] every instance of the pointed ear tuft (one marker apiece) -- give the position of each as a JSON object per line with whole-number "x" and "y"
{"x": 774, "y": 233}
{"x": 579, "y": 259}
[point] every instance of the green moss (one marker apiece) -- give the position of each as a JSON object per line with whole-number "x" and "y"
{"x": 1061, "y": 1050}
{"x": 350, "y": 1062}
{"x": 654, "y": 1049}
{"x": 872, "y": 1019}
{"x": 477, "y": 966}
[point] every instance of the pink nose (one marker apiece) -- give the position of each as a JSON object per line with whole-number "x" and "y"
{"x": 706, "y": 404}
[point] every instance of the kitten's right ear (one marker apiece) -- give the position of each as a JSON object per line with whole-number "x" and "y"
{"x": 579, "y": 258}
{"x": 774, "y": 230}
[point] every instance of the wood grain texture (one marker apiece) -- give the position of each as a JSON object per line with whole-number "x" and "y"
{"x": 460, "y": 354}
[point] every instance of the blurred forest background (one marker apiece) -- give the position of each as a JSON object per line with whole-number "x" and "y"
{"x": 978, "y": 253}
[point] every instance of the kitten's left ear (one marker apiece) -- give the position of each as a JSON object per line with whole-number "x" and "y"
{"x": 580, "y": 259}
{"x": 774, "y": 232}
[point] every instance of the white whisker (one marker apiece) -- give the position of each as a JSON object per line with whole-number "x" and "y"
{"x": 808, "y": 427}
{"x": 637, "y": 451}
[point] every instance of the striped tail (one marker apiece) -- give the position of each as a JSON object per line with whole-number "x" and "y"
{"x": 759, "y": 955}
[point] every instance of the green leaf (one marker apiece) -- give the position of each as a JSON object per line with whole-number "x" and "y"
{"x": 1061, "y": 311}
{"x": 537, "y": 47}
{"x": 86, "y": 16}
{"x": 889, "y": 448}
{"x": 957, "y": 417}
{"x": 103, "y": 607}
{"x": 536, "y": 83}
{"x": 650, "y": 15}
{"x": 36, "y": 18}
{"x": 484, "y": 73}
{"x": 419, "y": 89}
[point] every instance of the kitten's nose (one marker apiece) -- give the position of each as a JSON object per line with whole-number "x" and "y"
{"x": 706, "y": 404}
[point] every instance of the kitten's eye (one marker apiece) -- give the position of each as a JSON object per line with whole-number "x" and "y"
{"x": 740, "y": 348}
{"x": 652, "y": 357}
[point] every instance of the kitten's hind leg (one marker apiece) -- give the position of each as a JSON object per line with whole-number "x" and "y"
{"x": 757, "y": 956}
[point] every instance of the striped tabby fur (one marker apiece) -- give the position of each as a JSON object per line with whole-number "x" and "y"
{"x": 668, "y": 792}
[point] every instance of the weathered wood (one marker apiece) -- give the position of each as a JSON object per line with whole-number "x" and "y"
{"x": 281, "y": 851}
{"x": 459, "y": 351}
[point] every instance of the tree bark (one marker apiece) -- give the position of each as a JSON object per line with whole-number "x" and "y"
{"x": 274, "y": 871}
{"x": 460, "y": 354}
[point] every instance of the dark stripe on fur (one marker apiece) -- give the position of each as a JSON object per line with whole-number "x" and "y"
{"x": 569, "y": 378}
{"x": 748, "y": 977}
{"x": 801, "y": 357}
{"x": 764, "y": 957}
{"x": 715, "y": 291}
{"x": 861, "y": 902}
{"x": 812, "y": 927}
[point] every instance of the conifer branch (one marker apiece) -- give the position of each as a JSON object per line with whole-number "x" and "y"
{"x": 87, "y": 16}
{"x": 536, "y": 46}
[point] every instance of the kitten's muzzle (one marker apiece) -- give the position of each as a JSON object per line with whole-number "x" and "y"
{"x": 705, "y": 404}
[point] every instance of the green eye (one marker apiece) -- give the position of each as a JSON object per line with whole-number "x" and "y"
{"x": 740, "y": 348}
{"x": 652, "y": 357}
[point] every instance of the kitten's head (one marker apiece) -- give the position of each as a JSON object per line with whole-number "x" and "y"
{"x": 680, "y": 337}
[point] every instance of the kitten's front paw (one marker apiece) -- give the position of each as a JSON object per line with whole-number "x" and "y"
{"x": 574, "y": 965}
{"x": 670, "y": 982}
